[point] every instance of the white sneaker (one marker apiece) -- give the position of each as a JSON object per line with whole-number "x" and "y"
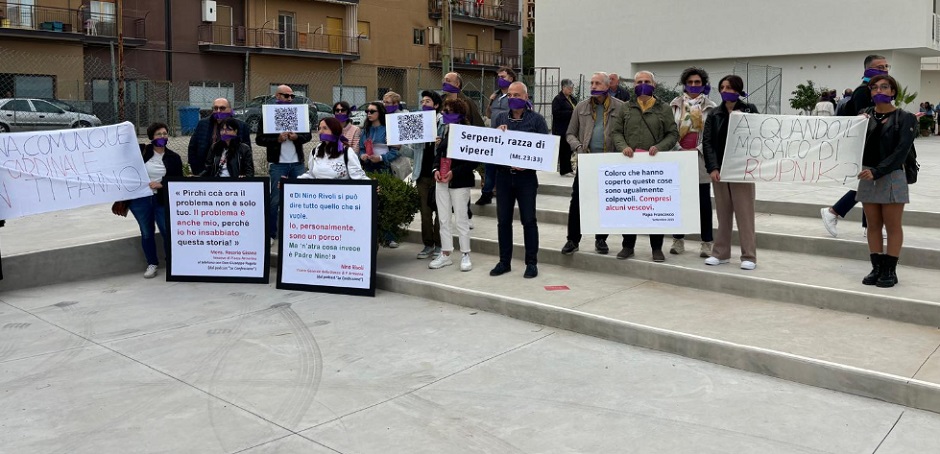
{"x": 678, "y": 246}
{"x": 829, "y": 221}
{"x": 440, "y": 262}
{"x": 748, "y": 265}
{"x": 151, "y": 272}
{"x": 392, "y": 244}
{"x": 715, "y": 261}
{"x": 465, "y": 264}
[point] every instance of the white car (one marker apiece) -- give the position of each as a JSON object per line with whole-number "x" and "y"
{"x": 31, "y": 114}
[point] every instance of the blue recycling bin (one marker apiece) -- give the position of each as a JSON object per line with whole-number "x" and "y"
{"x": 189, "y": 117}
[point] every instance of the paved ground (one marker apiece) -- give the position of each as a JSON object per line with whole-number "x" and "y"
{"x": 130, "y": 365}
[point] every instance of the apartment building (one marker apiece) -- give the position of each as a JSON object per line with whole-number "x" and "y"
{"x": 197, "y": 50}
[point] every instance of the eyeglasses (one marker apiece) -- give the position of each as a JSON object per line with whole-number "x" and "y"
{"x": 370, "y": 112}
{"x": 219, "y": 108}
{"x": 879, "y": 87}
{"x": 161, "y": 134}
{"x": 286, "y": 95}
{"x": 339, "y": 110}
{"x": 882, "y": 67}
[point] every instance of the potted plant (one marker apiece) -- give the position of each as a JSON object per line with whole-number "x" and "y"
{"x": 926, "y": 124}
{"x": 398, "y": 204}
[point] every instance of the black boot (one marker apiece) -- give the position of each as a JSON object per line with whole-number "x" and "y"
{"x": 889, "y": 275}
{"x": 872, "y": 278}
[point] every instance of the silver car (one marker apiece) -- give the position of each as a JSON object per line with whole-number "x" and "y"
{"x": 31, "y": 114}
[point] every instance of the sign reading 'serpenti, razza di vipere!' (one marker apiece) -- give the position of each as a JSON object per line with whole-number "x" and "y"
{"x": 793, "y": 149}
{"x": 510, "y": 148}
{"x": 57, "y": 170}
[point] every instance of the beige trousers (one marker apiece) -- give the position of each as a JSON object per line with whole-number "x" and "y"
{"x": 735, "y": 199}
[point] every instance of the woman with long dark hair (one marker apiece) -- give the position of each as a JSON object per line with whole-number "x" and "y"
{"x": 882, "y": 185}
{"x": 374, "y": 151}
{"x": 229, "y": 157}
{"x": 333, "y": 159}
{"x": 731, "y": 199}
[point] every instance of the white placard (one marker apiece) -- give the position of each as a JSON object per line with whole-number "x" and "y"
{"x": 510, "y": 148}
{"x": 643, "y": 194}
{"x": 70, "y": 168}
{"x": 278, "y": 118}
{"x": 328, "y": 239}
{"x": 793, "y": 149}
{"x": 218, "y": 230}
{"x": 411, "y": 127}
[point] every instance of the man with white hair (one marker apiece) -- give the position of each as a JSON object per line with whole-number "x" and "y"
{"x": 589, "y": 132}
{"x": 514, "y": 184}
{"x": 616, "y": 90}
{"x": 644, "y": 124}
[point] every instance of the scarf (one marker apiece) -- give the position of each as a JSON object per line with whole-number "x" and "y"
{"x": 691, "y": 117}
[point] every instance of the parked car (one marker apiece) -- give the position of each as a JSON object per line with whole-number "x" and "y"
{"x": 251, "y": 112}
{"x": 32, "y": 114}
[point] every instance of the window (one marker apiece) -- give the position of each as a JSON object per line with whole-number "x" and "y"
{"x": 18, "y": 105}
{"x": 29, "y": 86}
{"x": 285, "y": 27}
{"x": 365, "y": 30}
{"x": 497, "y": 45}
{"x": 44, "y": 107}
{"x": 355, "y": 96}
{"x": 419, "y": 37}
{"x": 102, "y": 18}
{"x": 202, "y": 94}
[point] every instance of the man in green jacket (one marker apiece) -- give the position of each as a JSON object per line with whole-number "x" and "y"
{"x": 644, "y": 124}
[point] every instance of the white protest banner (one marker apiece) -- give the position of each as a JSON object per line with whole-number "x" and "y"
{"x": 411, "y": 127}
{"x": 793, "y": 149}
{"x": 218, "y": 230}
{"x": 278, "y": 118}
{"x": 328, "y": 237}
{"x": 57, "y": 170}
{"x": 643, "y": 194}
{"x": 510, "y": 148}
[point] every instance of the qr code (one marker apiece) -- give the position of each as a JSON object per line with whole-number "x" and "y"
{"x": 285, "y": 119}
{"x": 410, "y": 127}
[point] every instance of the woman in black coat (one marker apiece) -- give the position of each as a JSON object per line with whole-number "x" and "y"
{"x": 229, "y": 157}
{"x": 562, "y": 108}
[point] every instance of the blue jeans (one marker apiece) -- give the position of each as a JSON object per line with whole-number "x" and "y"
{"x": 489, "y": 178}
{"x": 148, "y": 211}
{"x": 292, "y": 170}
{"x": 511, "y": 187}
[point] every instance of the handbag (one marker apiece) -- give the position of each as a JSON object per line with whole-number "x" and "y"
{"x": 402, "y": 167}
{"x": 120, "y": 208}
{"x": 911, "y": 166}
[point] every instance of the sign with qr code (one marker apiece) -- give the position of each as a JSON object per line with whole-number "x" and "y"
{"x": 411, "y": 127}
{"x": 280, "y": 118}
{"x": 524, "y": 150}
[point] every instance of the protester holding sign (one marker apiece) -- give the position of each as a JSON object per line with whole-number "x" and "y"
{"x": 690, "y": 110}
{"x": 731, "y": 199}
{"x": 454, "y": 178}
{"x": 644, "y": 124}
{"x": 229, "y": 157}
{"x": 423, "y": 176}
{"x": 516, "y": 184}
{"x": 342, "y": 112}
{"x": 589, "y": 132}
{"x": 333, "y": 159}
{"x": 161, "y": 162}
{"x": 882, "y": 186}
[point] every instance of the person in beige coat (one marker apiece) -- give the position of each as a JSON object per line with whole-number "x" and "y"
{"x": 589, "y": 132}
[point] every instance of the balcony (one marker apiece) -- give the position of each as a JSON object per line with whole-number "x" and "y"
{"x": 476, "y": 59}
{"x": 501, "y": 17}
{"x": 239, "y": 39}
{"x": 64, "y": 24}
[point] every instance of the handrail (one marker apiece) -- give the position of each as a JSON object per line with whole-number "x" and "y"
{"x": 225, "y": 35}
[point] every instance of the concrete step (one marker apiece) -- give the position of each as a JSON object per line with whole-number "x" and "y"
{"x": 882, "y": 359}
{"x": 792, "y": 277}
{"x": 783, "y": 232}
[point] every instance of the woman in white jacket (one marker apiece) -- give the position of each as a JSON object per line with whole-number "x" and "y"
{"x": 333, "y": 159}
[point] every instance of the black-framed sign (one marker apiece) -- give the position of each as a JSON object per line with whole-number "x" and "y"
{"x": 218, "y": 230}
{"x": 328, "y": 239}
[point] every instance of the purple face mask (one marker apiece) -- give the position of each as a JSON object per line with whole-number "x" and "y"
{"x": 882, "y": 98}
{"x": 283, "y": 101}
{"x": 227, "y": 137}
{"x": 160, "y": 143}
{"x": 342, "y": 118}
{"x": 872, "y": 72}
{"x": 332, "y": 138}
{"x": 219, "y": 116}
{"x": 427, "y": 108}
{"x": 694, "y": 89}
{"x": 451, "y": 118}
{"x": 599, "y": 93}
{"x": 644, "y": 90}
{"x": 450, "y": 88}
{"x": 391, "y": 109}
{"x": 730, "y": 97}
{"x": 503, "y": 83}
{"x": 518, "y": 103}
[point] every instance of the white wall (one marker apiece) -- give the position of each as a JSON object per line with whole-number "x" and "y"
{"x": 822, "y": 40}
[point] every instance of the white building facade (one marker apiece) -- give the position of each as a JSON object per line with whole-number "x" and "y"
{"x": 824, "y": 41}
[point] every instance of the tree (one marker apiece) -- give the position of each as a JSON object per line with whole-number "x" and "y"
{"x": 805, "y": 97}
{"x": 528, "y": 55}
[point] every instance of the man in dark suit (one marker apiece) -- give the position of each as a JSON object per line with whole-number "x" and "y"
{"x": 616, "y": 90}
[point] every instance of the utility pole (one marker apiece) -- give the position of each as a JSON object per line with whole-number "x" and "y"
{"x": 445, "y": 37}
{"x": 120, "y": 45}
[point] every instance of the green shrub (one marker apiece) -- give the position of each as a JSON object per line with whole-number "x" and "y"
{"x": 398, "y": 203}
